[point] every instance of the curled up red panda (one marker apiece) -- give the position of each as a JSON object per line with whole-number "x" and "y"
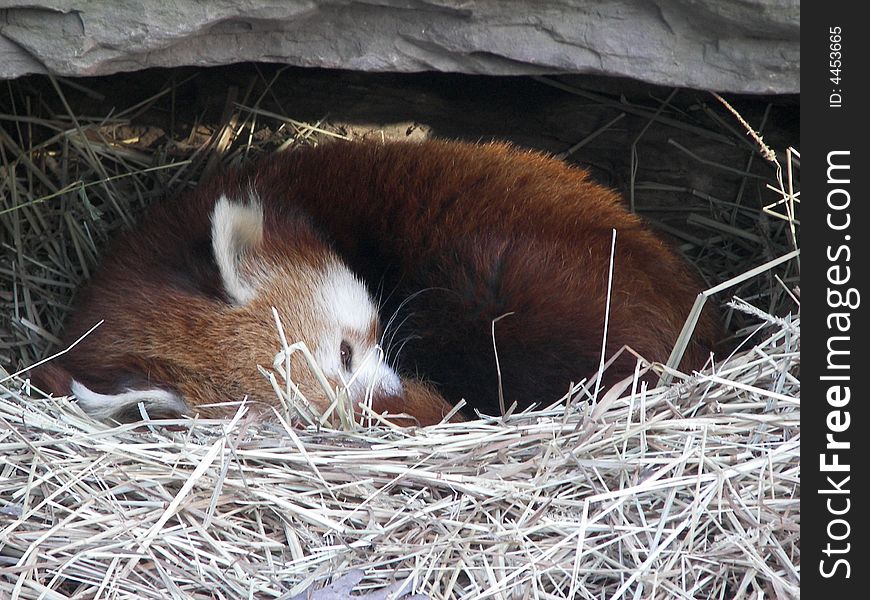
{"x": 481, "y": 270}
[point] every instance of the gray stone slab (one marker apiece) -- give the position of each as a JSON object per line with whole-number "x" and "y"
{"x": 737, "y": 46}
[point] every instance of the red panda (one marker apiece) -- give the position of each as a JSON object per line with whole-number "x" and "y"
{"x": 479, "y": 255}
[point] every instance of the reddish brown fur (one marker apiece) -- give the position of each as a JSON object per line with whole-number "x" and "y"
{"x": 487, "y": 229}
{"x": 508, "y": 231}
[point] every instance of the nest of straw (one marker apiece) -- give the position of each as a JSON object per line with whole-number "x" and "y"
{"x": 683, "y": 491}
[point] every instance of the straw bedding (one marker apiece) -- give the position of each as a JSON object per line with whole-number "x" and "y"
{"x": 690, "y": 490}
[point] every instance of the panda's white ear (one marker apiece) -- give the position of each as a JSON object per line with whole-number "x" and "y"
{"x": 236, "y": 232}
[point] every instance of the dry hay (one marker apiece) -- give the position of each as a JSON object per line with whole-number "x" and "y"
{"x": 688, "y": 491}
{"x": 684, "y": 491}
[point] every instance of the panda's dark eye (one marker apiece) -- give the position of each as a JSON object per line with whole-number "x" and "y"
{"x": 346, "y": 355}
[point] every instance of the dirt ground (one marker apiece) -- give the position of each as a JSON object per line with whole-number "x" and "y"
{"x": 522, "y": 110}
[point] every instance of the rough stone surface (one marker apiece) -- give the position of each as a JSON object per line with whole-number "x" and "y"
{"x": 737, "y": 46}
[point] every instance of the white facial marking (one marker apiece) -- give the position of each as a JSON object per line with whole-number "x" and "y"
{"x": 235, "y": 229}
{"x": 352, "y": 318}
{"x": 371, "y": 374}
{"x": 345, "y": 300}
{"x": 104, "y": 406}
